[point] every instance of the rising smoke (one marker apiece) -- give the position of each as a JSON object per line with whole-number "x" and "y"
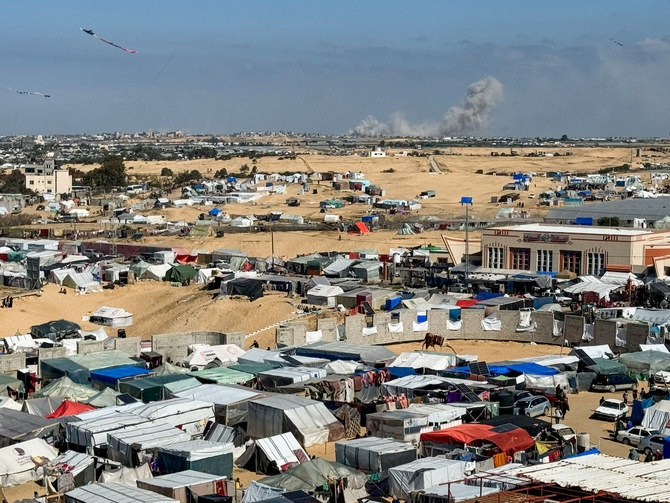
{"x": 481, "y": 98}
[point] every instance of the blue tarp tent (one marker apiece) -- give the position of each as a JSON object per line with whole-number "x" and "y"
{"x": 392, "y": 303}
{"x": 110, "y": 377}
{"x": 538, "y": 302}
{"x": 487, "y": 295}
{"x": 521, "y": 368}
{"x": 214, "y": 211}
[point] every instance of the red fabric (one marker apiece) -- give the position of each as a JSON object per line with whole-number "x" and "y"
{"x": 466, "y": 303}
{"x": 362, "y": 228}
{"x": 68, "y": 408}
{"x": 474, "y": 433}
{"x": 184, "y": 259}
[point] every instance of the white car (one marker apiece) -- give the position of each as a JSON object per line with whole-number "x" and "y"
{"x": 662, "y": 379}
{"x": 634, "y": 435}
{"x": 564, "y": 431}
{"x": 611, "y": 409}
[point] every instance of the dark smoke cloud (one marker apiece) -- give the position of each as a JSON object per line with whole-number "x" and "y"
{"x": 481, "y": 98}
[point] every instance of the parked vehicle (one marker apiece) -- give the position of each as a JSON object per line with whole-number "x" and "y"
{"x": 611, "y": 409}
{"x": 533, "y": 406}
{"x": 662, "y": 379}
{"x": 564, "y": 431}
{"x": 613, "y": 382}
{"x": 634, "y": 435}
{"x": 651, "y": 444}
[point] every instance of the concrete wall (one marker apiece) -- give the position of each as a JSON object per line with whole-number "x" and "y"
{"x": 174, "y": 347}
{"x": 47, "y": 353}
{"x": 10, "y": 363}
{"x": 471, "y": 329}
{"x": 130, "y": 345}
{"x": 86, "y": 347}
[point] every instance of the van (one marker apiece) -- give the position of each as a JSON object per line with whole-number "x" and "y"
{"x": 613, "y": 382}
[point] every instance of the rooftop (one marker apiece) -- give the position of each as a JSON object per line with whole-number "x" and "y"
{"x": 574, "y": 229}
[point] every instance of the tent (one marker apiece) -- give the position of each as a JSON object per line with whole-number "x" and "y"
{"x": 83, "y": 282}
{"x": 105, "y": 398}
{"x": 167, "y": 368}
{"x": 245, "y": 287}
{"x": 156, "y": 272}
{"x": 189, "y": 415}
{"x": 374, "y": 455}
{"x": 65, "y": 387}
{"x": 9, "y": 403}
{"x": 78, "y": 367}
{"x": 16, "y": 461}
{"x": 81, "y": 466}
{"x": 201, "y": 455}
{"x": 42, "y": 406}
{"x": 130, "y": 445}
{"x": 139, "y": 268}
{"x": 657, "y": 417}
{"x": 109, "y": 378}
{"x": 405, "y": 230}
{"x": 360, "y": 228}
{"x": 273, "y": 455}
{"x": 17, "y": 426}
{"x": 180, "y": 273}
{"x": 151, "y": 389}
{"x": 309, "y": 421}
{"x": 111, "y": 317}
{"x": 231, "y": 403}
{"x": 323, "y": 295}
{"x": 507, "y": 439}
{"x": 7, "y": 381}
{"x": 407, "y": 424}
{"x": 92, "y": 433}
{"x": 272, "y": 379}
{"x": 645, "y": 364}
{"x": 68, "y": 408}
{"x": 102, "y": 492}
{"x": 221, "y": 375}
{"x": 54, "y": 330}
{"x": 423, "y": 473}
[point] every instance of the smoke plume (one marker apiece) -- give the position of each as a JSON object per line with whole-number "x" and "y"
{"x": 481, "y": 98}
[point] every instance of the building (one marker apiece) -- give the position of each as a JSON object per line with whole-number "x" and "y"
{"x": 583, "y": 250}
{"x": 48, "y": 179}
{"x": 377, "y": 152}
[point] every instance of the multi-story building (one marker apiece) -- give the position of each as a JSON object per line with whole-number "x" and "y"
{"x": 47, "y": 179}
{"x": 582, "y": 250}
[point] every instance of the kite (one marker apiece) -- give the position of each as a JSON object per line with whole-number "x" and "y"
{"x": 616, "y": 42}
{"x": 90, "y": 32}
{"x": 35, "y": 92}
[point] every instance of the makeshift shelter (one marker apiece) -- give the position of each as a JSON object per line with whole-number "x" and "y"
{"x": 273, "y": 455}
{"x": 42, "y": 406}
{"x": 274, "y": 378}
{"x": 17, "y": 426}
{"x": 245, "y": 287}
{"x": 221, "y": 375}
{"x": 92, "y": 433}
{"x": 68, "y": 408}
{"x": 184, "y": 486}
{"x": 359, "y": 228}
{"x": 105, "y": 398}
{"x": 180, "y": 273}
{"x": 102, "y": 492}
{"x": 65, "y": 387}
{"x": 405, "y": 230}
{"x": 81, "y": 466}
{"x": 201, "y": 455}
{"x": 657, "y": 417}
{"x": 231, "y": 403}
{"x": 644, "y": 364}
{"x": 189, "y": 415}
{"x": 323, "y": 295}
{"x": 16, "y": 461}
{"x": 167, "y": 368}
{"x": 309, "y": 421}
{"x": 83, "y": 282}
{"x": 9, "y": 403}
{"x": 156, "y": 272}
{"x": 78, "y": 367}
{"x": 7, "y": 381}
{"x": 130, "y": 445}
{"x": 109, "y": 378}
{"x": 507, "y": 439}
{"x": 139, "y": 268}
{"x": 374, "y": 455}
{"x": 335, "y": 350}
{"x": 408, "y": 424}
{"x": 151, "y": 389}
{"x": 111, "y": 317}
{"x": 54, "y": 330}
{"x": 423, "y": 473}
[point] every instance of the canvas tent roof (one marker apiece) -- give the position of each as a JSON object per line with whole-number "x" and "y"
{"x": 510, "y": 441}
{"x": 42, "y": 406}
{"x": 67, "y": 388}
{"x": 179, "y": 273}
{"x": 272, "y": 455}
{"x": 124, "y": 442}
{"x": 68, "y": 408}
{"x": 315, "y": 473}
{"x": 310, "y": 421}
{"x": 105, "y": 398}
{"x": 17, "y": 426}
{"x": 374, "y": 455}
{"x": 423, "y": 473}
{"x": 91, "y": 433}
{"x": 14, "y": 470}
{"x": 112, "y": 317}
{"x": 114, "y": 492}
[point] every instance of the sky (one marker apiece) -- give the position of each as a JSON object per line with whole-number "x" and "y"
{"x": 585, "y": 69}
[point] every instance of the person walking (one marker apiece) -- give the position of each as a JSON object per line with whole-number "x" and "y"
{"x": 625, "y": 397}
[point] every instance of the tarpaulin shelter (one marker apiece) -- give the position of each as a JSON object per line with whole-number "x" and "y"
{"x": 65, "y": 387}
{"x": 111, "y": 317}
{"x": 657, "y": 417}
{"x": 7, "y": 381}
{"x": 273, "y": 455}
{"x": 156, "y": 272}
{"x": 17, "y": 426}
{"x": 102, "y": 492}
{"x": 309, "y": 421}
{"x": 68, "y": 408}
{"x": 185, "y": 486}
{"x": 374, "y": 455}
{"x": 180, "y": 273}
{"x": 92, "y": 433}
{"x": 78, "y": 367}
{"x": 406, "y": 425}
{"x": 167, "y": 368}
{"x": 130, "y": 444}
{"x": 423, "y": 473}
{"x": 201, "y": 455}
{"x": 81, "y": 466}
{"x": 335, "y": 350}
{"x": 9, "y": 403}
{"x": 508, "y": 440}
{"x": 231, "y": 403}
{"x": 84, "y": 282}
{"x": 316, "y": 473}
{"x": 360, "y": 228}
{"x": 190, "y": 415}
{"x": 42, "y": 406}
{"x": 54, "y": 330}
{"x": 645, "y": 363}
{"x": 139, "y": 268}
{"x": 16, "y": 465}
{"x": 110, "y": 377}
{"x": 245, "y": 287}
{"x": 105, "y": 398}
{"x": 151, "y": 389}
{"x": 221, "y": 375}
{"x": 405, "y": 230}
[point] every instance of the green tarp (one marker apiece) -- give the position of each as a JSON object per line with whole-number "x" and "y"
{"x": 152, "y": 389}
{"x": 222, "y": 375}
{"x": 179, "y": 273}
{"x": 67, "y": 388}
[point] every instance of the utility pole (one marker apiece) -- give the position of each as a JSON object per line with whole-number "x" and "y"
{"x": 467, "y": 202}
{"x": 272, "y": 238}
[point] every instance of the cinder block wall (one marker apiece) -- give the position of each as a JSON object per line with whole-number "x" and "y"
{"x": 10, "y": 363}
{"x": 637, "y": 334}
{"x": 130, "y": 345}
{"x": 86, "y": 347}
{"x": 174, "y": 347}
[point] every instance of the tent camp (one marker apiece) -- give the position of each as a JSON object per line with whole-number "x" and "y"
{"x": 189, "y": 415}
{"x": 16, "y": 462}
{"x": 111, "y": 317}
{"x": 17, "y": 426}
{"x": 151, "y": 389}
{"x": 423, "y": 473}
{"x": 201, "y": 455}
{"x": 273, "y": 455}
{"x": 309, "y": 421}
{"x": 102, "y": 492}
{"x": 131, "y": 444}
{"x": 374, "y": 455}
{"x": 231, "y": 403}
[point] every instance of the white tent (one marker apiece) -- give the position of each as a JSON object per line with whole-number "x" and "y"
{"x": 112, "y": 317}
{"x": 16, "y": 461}
{"x": 424, "y": 473}
{"x": 323, "y": 295}
{"x": 83, "y": 282}
{"x": 657, "y": 416}
{"x": 190, "y": 415}
{"x": 156, "y": 272}
{"x": 103, "y": 492}
{"x": 420, "y": 359}
{"x": 132, "y": 442}
{"x": 276, "y": 453}
{"x": 202, "y": 354}
{"x": 9, "y": 403}
{"x": 79, "y": 212}
{"x": 93, "y": 433}
{"x": 231, "y": 402}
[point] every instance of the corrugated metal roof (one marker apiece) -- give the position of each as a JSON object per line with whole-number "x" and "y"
{"x": 627, "y": 209}
{"x": 601, "y": 473}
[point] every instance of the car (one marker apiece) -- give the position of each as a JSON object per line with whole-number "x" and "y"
{"x": 564, "y": 431}
{"x": 519, "y": 394}
{"x": 613, "y": 382}
{"x": 533, "y": 406}
{"x": 531, "y": 196}
{"x": 611, "y": 409}
{"x": 662, "y": 379}
{"x": 634, "y": 435}
{"x": 651, "y": 444}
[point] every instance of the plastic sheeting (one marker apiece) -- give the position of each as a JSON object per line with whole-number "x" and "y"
{"x": 653, "y": 316}
{"x": 454, "y": 325}
{"x": 395, "y": 328}
{"x": 491, "y": 323}
{"x": 374, "y": 455}
{"x": 314, "y": 336}
{"x": 369, "y": 330}
{"x": 420, "y": 326}
{"x": 423, "y": 473}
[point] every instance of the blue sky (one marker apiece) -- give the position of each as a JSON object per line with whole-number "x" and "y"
{"x": 224, "y": 66}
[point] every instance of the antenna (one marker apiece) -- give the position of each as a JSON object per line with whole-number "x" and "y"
{"x": 467, "y": 202}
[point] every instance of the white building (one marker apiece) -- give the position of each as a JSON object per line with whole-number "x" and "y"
{"x": 377, "y": 152}
{"x": 47, "y": 179}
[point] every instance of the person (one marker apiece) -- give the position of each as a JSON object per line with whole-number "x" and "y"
{"x": 618, "y": 426}
{"x": 254, "y": 344}
{"x": 634, "y": 394}
{"x": 565, "y": 406}
{"x": 659, "y": 455}
{"x": 625, "y": 397}
{"x": 602, "y": 399}
{"x": 522, "y": 411}
{"x": 649, "y": 457}
{"x": 634, "y": 455}
{"x": 238, "y": 483}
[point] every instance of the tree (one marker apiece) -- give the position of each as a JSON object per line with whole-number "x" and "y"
{"x": 564, "y": 137}
{"x": 166, "y": 172}
{"x": 222, "y": 173}
{"x": 608, "y": 221}
{"x": 111, "y": 173}
{"x": 244, "y": 168}
{"x": 14, "y": 183}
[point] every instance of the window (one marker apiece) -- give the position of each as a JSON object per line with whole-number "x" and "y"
{"x": 520, "y": 258}
{"x": 545, "y": 260}
{"x": 571, "y": 261}
{"x": 595, "y": 263}
{"x": 32, "y": 182}
{"x": 495, "y": 260}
